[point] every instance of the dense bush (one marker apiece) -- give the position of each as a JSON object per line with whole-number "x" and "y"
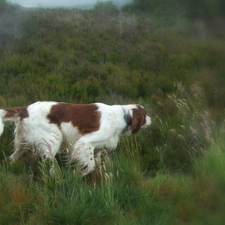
{"x": 193, "y": 8}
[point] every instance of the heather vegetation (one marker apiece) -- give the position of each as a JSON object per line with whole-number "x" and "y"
{"x": 165, "y": 55}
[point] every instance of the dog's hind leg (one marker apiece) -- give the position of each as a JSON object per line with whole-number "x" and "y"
{"x": 20, "y": 145}
{"x": 48, "y": 146}
{"x": 19, "y": 152}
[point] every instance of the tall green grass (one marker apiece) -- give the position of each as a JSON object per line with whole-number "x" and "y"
{"x": 129, "y": 197}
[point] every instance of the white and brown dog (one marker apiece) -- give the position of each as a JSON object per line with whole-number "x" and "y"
{"x": 44, "y": 126}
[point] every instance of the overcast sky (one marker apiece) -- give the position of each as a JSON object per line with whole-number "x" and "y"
{"x": 63, "y": 3}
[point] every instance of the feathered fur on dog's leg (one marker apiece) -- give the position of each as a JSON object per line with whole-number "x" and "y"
{"x": 83, "y": 154}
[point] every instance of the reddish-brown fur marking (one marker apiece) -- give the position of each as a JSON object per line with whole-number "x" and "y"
{"x": 17, "y": 111}
{"x": 85, "y": 117}
{"x": 139, "y": 119}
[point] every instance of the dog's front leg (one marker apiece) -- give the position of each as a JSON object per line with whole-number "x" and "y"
{"x": 83, "y": 154}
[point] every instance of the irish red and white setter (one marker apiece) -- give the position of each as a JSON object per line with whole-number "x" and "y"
{"x": 44, "y": 126}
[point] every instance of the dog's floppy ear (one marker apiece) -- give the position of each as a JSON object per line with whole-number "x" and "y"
{"x": 137, "y": 122}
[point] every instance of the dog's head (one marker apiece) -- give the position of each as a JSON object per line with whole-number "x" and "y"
{"x": 140, "y": 119}
{"x": 137, "y": 118}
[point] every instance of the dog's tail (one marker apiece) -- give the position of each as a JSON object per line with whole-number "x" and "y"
{"x": 12, "y": 114}
{"x": 1, "y": 121}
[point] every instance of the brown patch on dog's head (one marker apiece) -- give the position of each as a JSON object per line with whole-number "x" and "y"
{"x": 138, "y": 119}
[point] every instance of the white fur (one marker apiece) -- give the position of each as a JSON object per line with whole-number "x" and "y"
{"x": 36, "y": 132}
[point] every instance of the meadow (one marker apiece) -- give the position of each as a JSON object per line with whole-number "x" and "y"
{"x": 168, "y": 57}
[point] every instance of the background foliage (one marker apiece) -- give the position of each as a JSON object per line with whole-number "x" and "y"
{"x": 165, "y": 55}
